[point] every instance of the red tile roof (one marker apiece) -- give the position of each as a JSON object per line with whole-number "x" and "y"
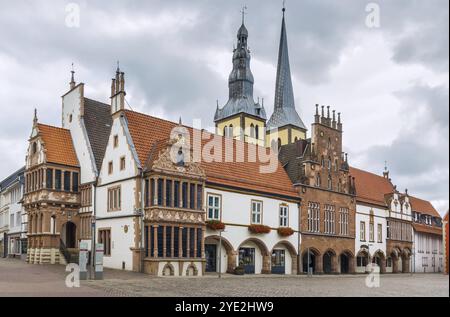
{"x": 423, "y": 206}
{"x": 58, "y": 145}
{"x": 146, "y": 130}
{"x": 371, "y": 188}
{"x": 427, "y": 229}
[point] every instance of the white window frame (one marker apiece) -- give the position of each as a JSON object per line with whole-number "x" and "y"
{"x": 284, "y": 216}
{"x": 215, "y": 208}
{"x": 362, "y": 231}
{"x": 256, "y": 213}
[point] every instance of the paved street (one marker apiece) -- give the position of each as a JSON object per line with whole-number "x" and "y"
{"x": 20, "y": 279}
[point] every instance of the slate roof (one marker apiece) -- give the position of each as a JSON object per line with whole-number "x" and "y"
{"x": 8, "y": 181}
{"x": 284, "y": 109}
{"x": 59, "y": 145}
{"x": 371, "y": 188}
{"x": 146, "y": 131}
{"x": 98, "y": 122}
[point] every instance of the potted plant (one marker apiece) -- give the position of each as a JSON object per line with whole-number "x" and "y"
{"x": 215, "y": 225}
{"x": 259, "y": 229}
{"x": 240, "y": 269}
{"x": 285, "y": 231}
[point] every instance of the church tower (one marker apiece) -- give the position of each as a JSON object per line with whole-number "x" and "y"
{"x": 285, "y": 125}
{"x": 241, "y": 118}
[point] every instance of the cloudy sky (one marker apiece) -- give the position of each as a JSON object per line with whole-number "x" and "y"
{"x": 391, "y": 83}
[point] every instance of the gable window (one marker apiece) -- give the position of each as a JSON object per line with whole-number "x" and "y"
{"x": 114, "y": 199}
{"x": 122, "y": 163}
{"x": 34, "y": 148}
{"x": 257, "y": 132}
{"x": 257, "y": 212}
{"x": 214, "y": 205}
{"x": 284, "y": 216}
{"x": 116, "y": 141}
{"x": 110, "y": 168}
{"x": 362, "y": 231}
{"x": 58, "y": 179}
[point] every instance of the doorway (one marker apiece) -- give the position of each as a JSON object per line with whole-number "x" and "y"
{"x": 309, "y": 263}
{"x": 279, "y": 262}
{"x": 211, "y": 258}
{"x": 69, "y": 235}
{"x": 247, "y": 259}
{"x": 344, "y": 264}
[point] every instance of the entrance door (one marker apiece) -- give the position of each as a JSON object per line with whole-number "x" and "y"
{"x": 70, "y": 235}
{"x": 211, "y": 257}
{"x": 309, "y": 263}
{"x": 327, "y": 263}
{"x": 247, "y": 258}
{"x": 278, "y": 262}
{"x": 344, "y": 264}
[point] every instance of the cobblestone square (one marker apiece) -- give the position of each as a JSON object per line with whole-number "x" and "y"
{"x": 20, "y": 279}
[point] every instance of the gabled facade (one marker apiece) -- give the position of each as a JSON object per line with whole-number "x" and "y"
{"x": 320, "y": 172}
{"x": 51, "y": 197}
{"x": 428, "y": 243}
{"x": 372, "y": 212}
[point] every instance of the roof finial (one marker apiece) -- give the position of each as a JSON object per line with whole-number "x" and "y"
{"x": 72, "y": 79}
{"x": 284, "y": 7}
{"x": 35, "y": 118}
{"x": 118, "y": 67}
{"x": 180, "y": 122}
{"x": 243, "y": 13}
{"x": 385, "y": 166}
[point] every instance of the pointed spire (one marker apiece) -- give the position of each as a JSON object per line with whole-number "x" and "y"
{"x": 284, "y": 105}
{"x": 244, "y": 8}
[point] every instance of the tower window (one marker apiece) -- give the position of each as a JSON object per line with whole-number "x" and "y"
{"x": 257, "y": 132}
{"x": 252, "y": 131}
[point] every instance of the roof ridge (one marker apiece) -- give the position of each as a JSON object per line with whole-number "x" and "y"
{"x": 52, "y": 126}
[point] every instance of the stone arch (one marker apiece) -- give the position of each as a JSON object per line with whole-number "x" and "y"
{"x": 347, "y": 262}
{"x": 379, "y": 258}
{"x": 406, "y": 259}
{"x": 329, "y": 262}
{"x": 231, "y": 253}
{"x": 191, "y": 270}
{"x": 315, "y": 263}
{"x": 265, "y": 254}
{"x": 395, "y": 255}
{"x": 168, "y": 270}
{"x": 362, "y": 260}
{"x": 69, "y": 234}
{"x": 292, "y": 253}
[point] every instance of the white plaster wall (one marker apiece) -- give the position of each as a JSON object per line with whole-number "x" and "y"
{"x": 363, "y": 214}
{"x": 421, "y": 266}
{"x": 121, "y": 242}
{"x": 71, "y": 105}
{"x": 236, "y": 213}
{"x": 128, "y": 205}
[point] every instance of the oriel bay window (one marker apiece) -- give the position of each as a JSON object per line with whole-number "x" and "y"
{"x": 58, "y": 179}
{"x": 168, "y": 241}
{"x": 66, "y": 181}
{"x": 49, "y": 178}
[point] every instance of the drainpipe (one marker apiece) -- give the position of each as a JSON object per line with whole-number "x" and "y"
{"x": 93, "y": 227}
{"x": 299, "y": 257}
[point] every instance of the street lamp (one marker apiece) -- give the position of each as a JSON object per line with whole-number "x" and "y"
{"x": 220, "y": 252}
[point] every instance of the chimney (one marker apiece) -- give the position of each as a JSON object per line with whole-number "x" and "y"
{"x": 317, "y": 116}
{"x": 322, "y": 119}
